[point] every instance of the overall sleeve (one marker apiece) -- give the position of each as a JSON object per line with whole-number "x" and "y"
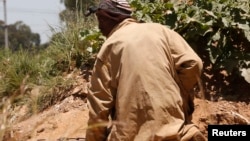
{"x": 188, "y": 64}
{"x": 100, "y": 103}
{"x": 188, "y": 67}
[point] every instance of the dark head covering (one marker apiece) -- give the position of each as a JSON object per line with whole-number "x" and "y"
{"x": 115, "y": 6}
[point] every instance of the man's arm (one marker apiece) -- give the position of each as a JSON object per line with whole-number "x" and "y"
{"x": 100, "y": 102}
{"x": 188, "y": 64}
{"x": 188, "y": 67}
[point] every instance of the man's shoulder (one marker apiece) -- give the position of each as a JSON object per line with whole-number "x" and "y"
{"x": 154, "y": 25}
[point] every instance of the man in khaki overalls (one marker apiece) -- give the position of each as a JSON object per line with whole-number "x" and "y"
{"x": 141, "y": 79}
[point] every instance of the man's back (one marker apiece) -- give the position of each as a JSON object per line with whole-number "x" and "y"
{"x": 148, "y": 98}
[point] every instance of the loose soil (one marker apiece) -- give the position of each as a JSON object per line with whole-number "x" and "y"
{"x": 67, "y": 120}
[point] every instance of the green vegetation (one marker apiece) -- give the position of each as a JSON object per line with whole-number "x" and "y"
{"x": 218, "y": 30}
{"x": 43, "y": 69}
{"x": 24, "y": 69}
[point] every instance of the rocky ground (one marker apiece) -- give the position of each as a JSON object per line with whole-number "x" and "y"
{"x": 67, "y": 120}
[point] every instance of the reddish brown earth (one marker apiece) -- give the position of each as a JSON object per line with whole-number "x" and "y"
{"x": 68, "y": 118}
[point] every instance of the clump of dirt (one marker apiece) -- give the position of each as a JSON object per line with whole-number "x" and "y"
{"x": 220, "y": 113}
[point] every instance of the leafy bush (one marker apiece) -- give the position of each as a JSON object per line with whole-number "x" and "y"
{"x": 218, "y": 30}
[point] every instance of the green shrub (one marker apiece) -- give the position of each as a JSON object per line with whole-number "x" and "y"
{"x": 218, "y": 30}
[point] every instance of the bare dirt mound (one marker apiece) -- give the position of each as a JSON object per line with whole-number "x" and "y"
{"x": 220, "y": 113}
{"x": 67, "y": 120}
